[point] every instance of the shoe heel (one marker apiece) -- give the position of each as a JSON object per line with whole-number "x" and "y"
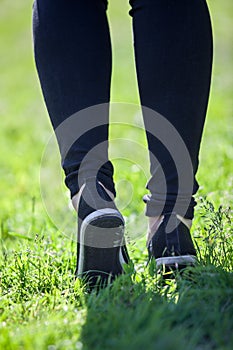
{"x": 101, "y": 238}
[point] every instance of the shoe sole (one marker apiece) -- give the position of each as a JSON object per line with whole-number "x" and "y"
{"x": 101, "y": 237}
{"x": 176, "y": 261}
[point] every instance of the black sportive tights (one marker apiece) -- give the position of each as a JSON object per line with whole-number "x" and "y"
{"x": 173, "y": 53}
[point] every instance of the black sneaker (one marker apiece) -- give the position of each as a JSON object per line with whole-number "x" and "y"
{"x": 101, "y": 250}
{"x": 172, "y": 250}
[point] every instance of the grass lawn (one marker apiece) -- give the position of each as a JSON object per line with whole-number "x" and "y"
{"x": 41, "y": 305}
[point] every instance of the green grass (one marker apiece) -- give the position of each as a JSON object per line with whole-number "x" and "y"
{"x": 41, "y": 305}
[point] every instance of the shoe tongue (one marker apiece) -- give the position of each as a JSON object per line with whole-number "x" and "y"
{"x": 186, "y": 222}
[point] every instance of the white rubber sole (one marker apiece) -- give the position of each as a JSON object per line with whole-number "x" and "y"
{"x": 176, "y": 260}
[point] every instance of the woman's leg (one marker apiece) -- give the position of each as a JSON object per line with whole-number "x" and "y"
{"x": 173, "y": 51}
{"x": 73, "y": 58}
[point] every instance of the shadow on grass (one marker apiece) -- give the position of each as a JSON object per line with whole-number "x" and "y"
{"x": 145, "y": 312}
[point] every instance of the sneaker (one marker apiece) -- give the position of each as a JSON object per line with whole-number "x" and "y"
{"x": 101, "y": 250}
{"x": 172, "y": 250}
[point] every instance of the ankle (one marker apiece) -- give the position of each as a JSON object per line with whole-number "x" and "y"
{"x": 155, "y": 221}
{"x": 111, "y": 195}
{"x": 153, "y": 225}
{"x": 186, "y": 222}
{"x": 76, "y": 198}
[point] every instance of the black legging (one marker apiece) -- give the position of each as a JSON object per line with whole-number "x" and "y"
{"x": 173, "y": 52}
